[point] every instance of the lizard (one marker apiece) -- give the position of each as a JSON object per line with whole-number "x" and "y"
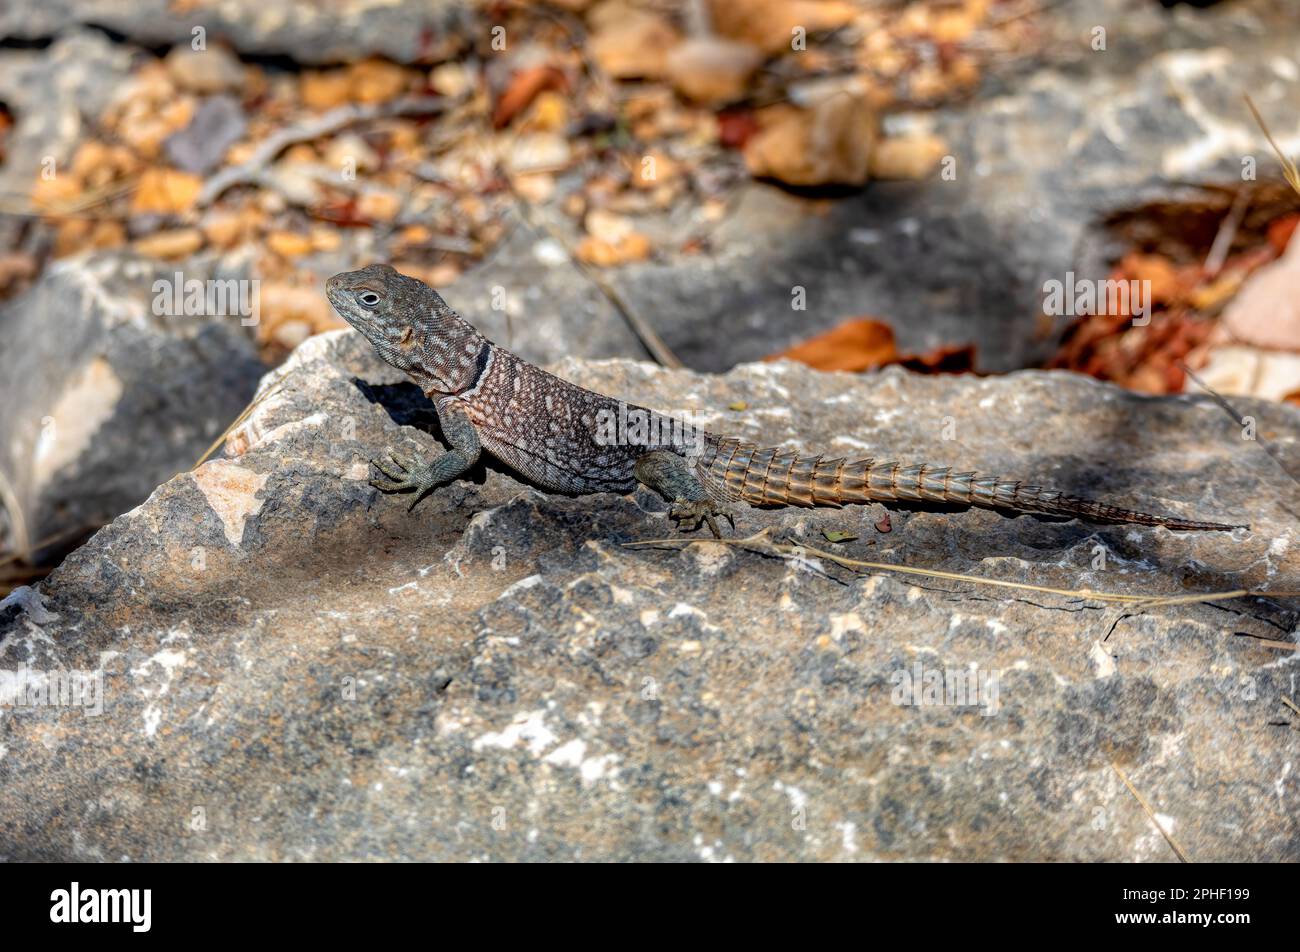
{"x": 563, "y": 437}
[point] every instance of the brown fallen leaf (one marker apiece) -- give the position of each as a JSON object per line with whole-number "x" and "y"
{"x": 634, "y": 45}
{"x": 1280, "y": 232}
{"x": 164, "y": 191}
{"x": 770, "y": 25}
{"x": 863, "y": 343}
{"x": 1266, "y": 311}
{"x": 523, "y": 89}
{"x": 177, "y": 243}
{"x": 907, "y": 157}
{"x": 829, "y": 144}
{"x": 955, "y": 359}
{"x": 630, "y": 247}
{"x": 710, "y": 69}
{"x": 858, "y": 344}
{"x": 736, "y": 127}
{"x": 15, "y": 269}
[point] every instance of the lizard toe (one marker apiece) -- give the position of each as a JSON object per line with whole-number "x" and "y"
{"x": 698, "y": 513}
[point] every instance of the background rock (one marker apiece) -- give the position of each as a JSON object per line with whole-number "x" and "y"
{"x": 1041, "y": 160}
{"x": 103, "y": 398}
{"x": 308, "y": 31}
{"x": 297, "y": 668}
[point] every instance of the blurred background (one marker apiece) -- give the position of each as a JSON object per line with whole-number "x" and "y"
{"x": 957, "y": 186}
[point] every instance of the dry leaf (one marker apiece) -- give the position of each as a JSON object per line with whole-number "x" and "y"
{"x": 1266, "y": 312}
{"x": 633, "y": 247}
{"x": 634, "y": 46}
{"x": 288, "y": 244}
{"x": 830, "y": 144}
{"x": 712, "y": 70}
{"x": 864, "y": 343}
{"x": 165, "y": 192}
{"x": 858, "y": 344}
{"x": 838, "y": 535}
{"x": 523, "y": 89}
{"x": 769, "y": 25}
{"x": 907, "y": 157}
{"x": 177, "y": 243}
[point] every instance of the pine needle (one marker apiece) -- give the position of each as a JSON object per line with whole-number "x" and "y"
{"x": 1289, "y": 169}
{"x": 760, "y": 543}
{"x": 1169, "y": 837}
{"x": 228, "y": 430}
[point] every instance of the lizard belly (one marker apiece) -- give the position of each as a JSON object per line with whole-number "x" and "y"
{"x": 561, "y": 464}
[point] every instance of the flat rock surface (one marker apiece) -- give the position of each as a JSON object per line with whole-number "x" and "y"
{"x": 294, "y": 667}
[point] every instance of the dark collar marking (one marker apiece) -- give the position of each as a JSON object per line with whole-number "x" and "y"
{"x": 480, "y": 366}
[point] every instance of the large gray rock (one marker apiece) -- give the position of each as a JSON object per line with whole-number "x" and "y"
{"x": 294, "y": 667}
{"x": 104, "y": 397}
{"x": 309, "y": 31}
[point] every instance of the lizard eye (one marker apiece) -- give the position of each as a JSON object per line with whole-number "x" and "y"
{"x": 369, "y": 298}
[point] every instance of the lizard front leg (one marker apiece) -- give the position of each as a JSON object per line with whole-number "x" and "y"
{"x": 670, "y": 475}
{"x": 412, "y": 474}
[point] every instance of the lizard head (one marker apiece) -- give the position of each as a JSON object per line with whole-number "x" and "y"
{"x": 409, "y": 324}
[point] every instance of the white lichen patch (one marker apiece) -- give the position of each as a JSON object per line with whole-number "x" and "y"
{"x": 528, "y": 728}
{"x": 231, "y": 490}
{"x": 1103, "y": 663}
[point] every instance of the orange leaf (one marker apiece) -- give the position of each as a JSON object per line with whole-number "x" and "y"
{"x": 858, "y": 344}
{"x": 1281, "y": 230}
{"x": 523, "y": 89}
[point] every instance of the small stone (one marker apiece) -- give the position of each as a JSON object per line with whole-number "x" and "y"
{"x": 712, "y": 70}
{"x": 634, "y": 45}
{"x": 376, "y": 80}
{"x": 217, "y": 124}
{"x": 165, "y": 192}
{"x": 212, "y": 70}
{"x": 550, "y": 252}
{"x": 379, "y": 205}
{"x": 176, "y": 243}
{"x": 350, "y": 153}
{"x": 907, "y": 157}
{"x": 829, "y": 144}
{"x": 325, "y": 89}
{"x": 539, "y": 152}
{"x": 452, "y": 80}
{"x": 289, "y": 244}
{"x": 607, "y": 226}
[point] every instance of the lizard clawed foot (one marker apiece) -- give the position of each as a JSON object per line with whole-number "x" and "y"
{"x": 701, "y": 512}
{"x": 404, "y": 475}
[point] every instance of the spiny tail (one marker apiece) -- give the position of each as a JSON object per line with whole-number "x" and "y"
{"x": 770, "y": 477}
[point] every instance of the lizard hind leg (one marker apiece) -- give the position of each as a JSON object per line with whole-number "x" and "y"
{"x": 671, "y": 476}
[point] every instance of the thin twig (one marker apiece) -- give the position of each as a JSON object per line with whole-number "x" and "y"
{"x": 1169, "y": 838}
{"x": 760, "y": 543}
{"x": 1274, "y": 644}
{"x": 1238, "y": 419}
{"x": 48, "y": 540}
{"x": 228, "y": 430}
{"x": 1227, "y": 232}
{"x": 251, "y": 171}
{"x": 1288, "y": 165}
